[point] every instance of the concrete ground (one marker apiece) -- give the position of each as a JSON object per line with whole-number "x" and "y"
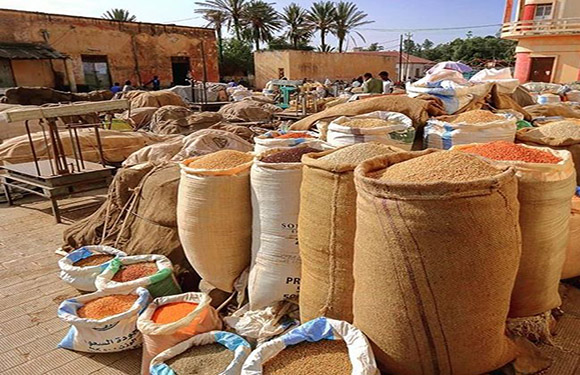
{"x": 31, "y": 291}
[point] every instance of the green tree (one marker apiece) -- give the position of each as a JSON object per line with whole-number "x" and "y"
{"x": 373, "y": 47}
{"x": 298, "y": 30}
{"x": 232, "y": 9}
{"x": 427, "y": 44}
{"x": 281, "y": 43}
{"x": 117, "y": 14}
{"x": 238, "y": 57}
{"x": 472, "y": 50}
{"x": 215, "y": 19}
{"x": 346, "y": 19}
{"x": 262, "y": 20}
{"x": 322, "y": 17}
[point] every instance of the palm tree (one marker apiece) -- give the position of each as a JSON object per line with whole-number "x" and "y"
{"x": 295, "y": 18}
{"x": 262, "y": 19}
{"x": 347, "y": 18}
{"x": 215, "y": 19}
{"x": 321, "y": 16}
{"x": 232, "y": 9}
{"x": 118, "y": 14}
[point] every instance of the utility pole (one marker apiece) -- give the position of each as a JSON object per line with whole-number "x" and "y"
{"x": 401, "y": 59}
{"x": 408, "y": 65}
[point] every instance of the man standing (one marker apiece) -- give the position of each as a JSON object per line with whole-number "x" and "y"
{"x": 372, "y": 85}
{"x": 387, "y": 83}
{"x": 116, "y": 88}
{"x": 156, "y": 83}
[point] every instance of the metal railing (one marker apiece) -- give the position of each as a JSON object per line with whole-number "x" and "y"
{"x": 541, "y": 27}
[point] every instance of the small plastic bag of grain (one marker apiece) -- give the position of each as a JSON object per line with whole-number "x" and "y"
{"x": 284, "y": 139}
{"x": 103, "y": 322}
{"x": 167, "y": 321}
{"x": 320, "y": 347}
{"x": 470, "y": 127}
{"x": 81, "y": 267}
{"x": 154, "y": 272}
{"x": 389, "y": 128}
{"x": 214, "y": 217}
{"x": 210, "y": 353}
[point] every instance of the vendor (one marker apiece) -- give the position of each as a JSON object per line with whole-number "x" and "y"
{"x": 372, "y": 85}
{"x": 387, "y": 83}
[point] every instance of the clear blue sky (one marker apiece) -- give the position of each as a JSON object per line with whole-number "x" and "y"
{"x": 387, "y": 14}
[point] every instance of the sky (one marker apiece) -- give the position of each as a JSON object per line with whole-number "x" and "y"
{"x": 386, "y": 14}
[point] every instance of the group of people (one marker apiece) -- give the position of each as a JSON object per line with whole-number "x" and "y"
{"x": 371, "y": 85}
{"x": 128, "y": 86}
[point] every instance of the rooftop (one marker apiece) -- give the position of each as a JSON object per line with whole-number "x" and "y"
{"x": 28, "y": 51}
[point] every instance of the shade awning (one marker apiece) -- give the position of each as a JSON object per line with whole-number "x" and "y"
{"x": 28, "y": 51}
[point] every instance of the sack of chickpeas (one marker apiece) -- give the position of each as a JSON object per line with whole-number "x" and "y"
{"x": 81, "y": 267}
{"x": 210, "y": 353}
{"x": 320, "y": 347}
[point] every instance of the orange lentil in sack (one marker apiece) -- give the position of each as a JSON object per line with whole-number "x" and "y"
{"x": 135, "y": 271}
{"x": 294, "y": 135}
{"x": 104, "y": 307}
{"x": 173, "y": 312}
{"x": 502, "y": 150}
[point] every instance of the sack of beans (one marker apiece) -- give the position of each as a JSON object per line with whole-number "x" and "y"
{"x": 389, "y": 128}
{"x": 432, "y": 227}
{"x": 327, "y": 224}
{"x": 477, "y": 126}
{"x": 81, "y": 267}
{"x": 214, "y": 216}
{"x": 103, "y": 322}
{"x": 154, "y": 272}
{"x": 572, "y": 264}
{"x": 210, "y": 353}
{"x": 284, "y": 139}
{"x": 319, "y": 347}
{"x": 275, "y": 181}
{"x": 167, "y": 321}
{"x": 546, "y": 185}
{"x": 558, "y": 135}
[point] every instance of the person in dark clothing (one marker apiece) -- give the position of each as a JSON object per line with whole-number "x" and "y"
{"x": 156, "y": 83}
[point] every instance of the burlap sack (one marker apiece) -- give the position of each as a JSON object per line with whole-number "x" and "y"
{"x": 139, "y": 99}
{"x": 214, "y": 216}
{"x": 572, "y": 264}
{"x": 248, "y": 110}
{"x": 434, "y": 268}
{"x": 327, "y": 225}
{"x": 554, "y": 109}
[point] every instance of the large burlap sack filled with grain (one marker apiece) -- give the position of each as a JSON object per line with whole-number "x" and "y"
{"x": 140, "y": 99}
{"x": 421, "y": 249}
{"x": 565, "y": 110}
{"x": 214, "y": 215}
{"x": 172, "y": 119}
{"x": 138, "y": 117}
{"x": 572, "y": 264}
{"x": 327, "y": 225}
{"x": 558, "y": 135}
{"x": 248, "y": 110}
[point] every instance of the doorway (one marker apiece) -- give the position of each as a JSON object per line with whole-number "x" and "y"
{"x": 6, "y": 74}
{"x": 541, "y": 69}
{"x": 180, "y": 69}
{"x": 96, "y": 71}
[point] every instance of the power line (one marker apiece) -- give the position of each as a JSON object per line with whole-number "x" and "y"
{"x": 432, "y": 29}
{"x": 185, "y": 19}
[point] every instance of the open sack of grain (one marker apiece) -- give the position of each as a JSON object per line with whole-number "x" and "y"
{"x": 320, "y": 347}
{"x": 103, "y": 322}
{"x": 284, "y": 139}
{"x": 572, "y": 264}
{"x": 167, "y": 321}
{"x": 81, "y": 267}
{"x": 546, "y": 184}
{"x": 390, "y": 128}
{"x": 440, "y": 224}
{"x": 275, "y": 182}
{"x": 477, "y": 126}
{"x": 327, "y": 225}
{"x": 557, "y": 135}
{"x": 154, "y": 272}
{"x": 214, "y": 216}
{"x": 210, "y": 353}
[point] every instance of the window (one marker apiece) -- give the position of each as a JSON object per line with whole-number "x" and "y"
{"x": 543, "y": 12}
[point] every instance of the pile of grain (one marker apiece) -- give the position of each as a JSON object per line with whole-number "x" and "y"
{"x": 294, "y": 135}
{"x": 356, "y": 153}
{"x": 325, "y": 357}
{"x": 444, "y": 166}
{"x": 172, "y": 312}
{"x": 292, "y": 155}
{"x": 365, "y": 123}
{"x": 561, "y": 129}
{"x": 502, "y": 150}
{"x": 135, "y": 271}
{"x": 103, "y": 307}
{"x": 209, "y": 359}
{"x": 225, "y": 159}
{"x": 476, "y": 117}
{"x": 93, "y": 260}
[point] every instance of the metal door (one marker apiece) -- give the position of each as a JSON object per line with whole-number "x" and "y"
{"x": 541, "y": 70}
{"x": 96, "y": 71}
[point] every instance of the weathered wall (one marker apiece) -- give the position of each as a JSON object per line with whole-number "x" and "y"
{"x": 33, "y": 73}
{"x": 319, "y": 66}
{"x": 565, "y": 49}
{"x": 135, "y": 51}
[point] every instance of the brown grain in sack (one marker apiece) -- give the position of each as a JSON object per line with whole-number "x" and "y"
{"x": 434, "y": 268}
{"x": 572, "y": 264}
{"x": 327, "y": 225}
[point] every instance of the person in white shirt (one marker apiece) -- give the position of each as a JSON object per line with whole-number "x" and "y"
{"x": 128, "y": 87}
{"x": 387, "y": 83}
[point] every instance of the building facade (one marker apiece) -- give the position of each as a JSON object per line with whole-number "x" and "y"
{"x": 548, "y": 35}
{"x": 93, "y": 53}
{"x": 318, "y": 66}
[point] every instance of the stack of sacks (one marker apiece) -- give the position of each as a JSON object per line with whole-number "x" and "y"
{"x": 501, "y": 77}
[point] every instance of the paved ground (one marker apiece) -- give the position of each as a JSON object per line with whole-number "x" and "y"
{"x": 31, "y": 291}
